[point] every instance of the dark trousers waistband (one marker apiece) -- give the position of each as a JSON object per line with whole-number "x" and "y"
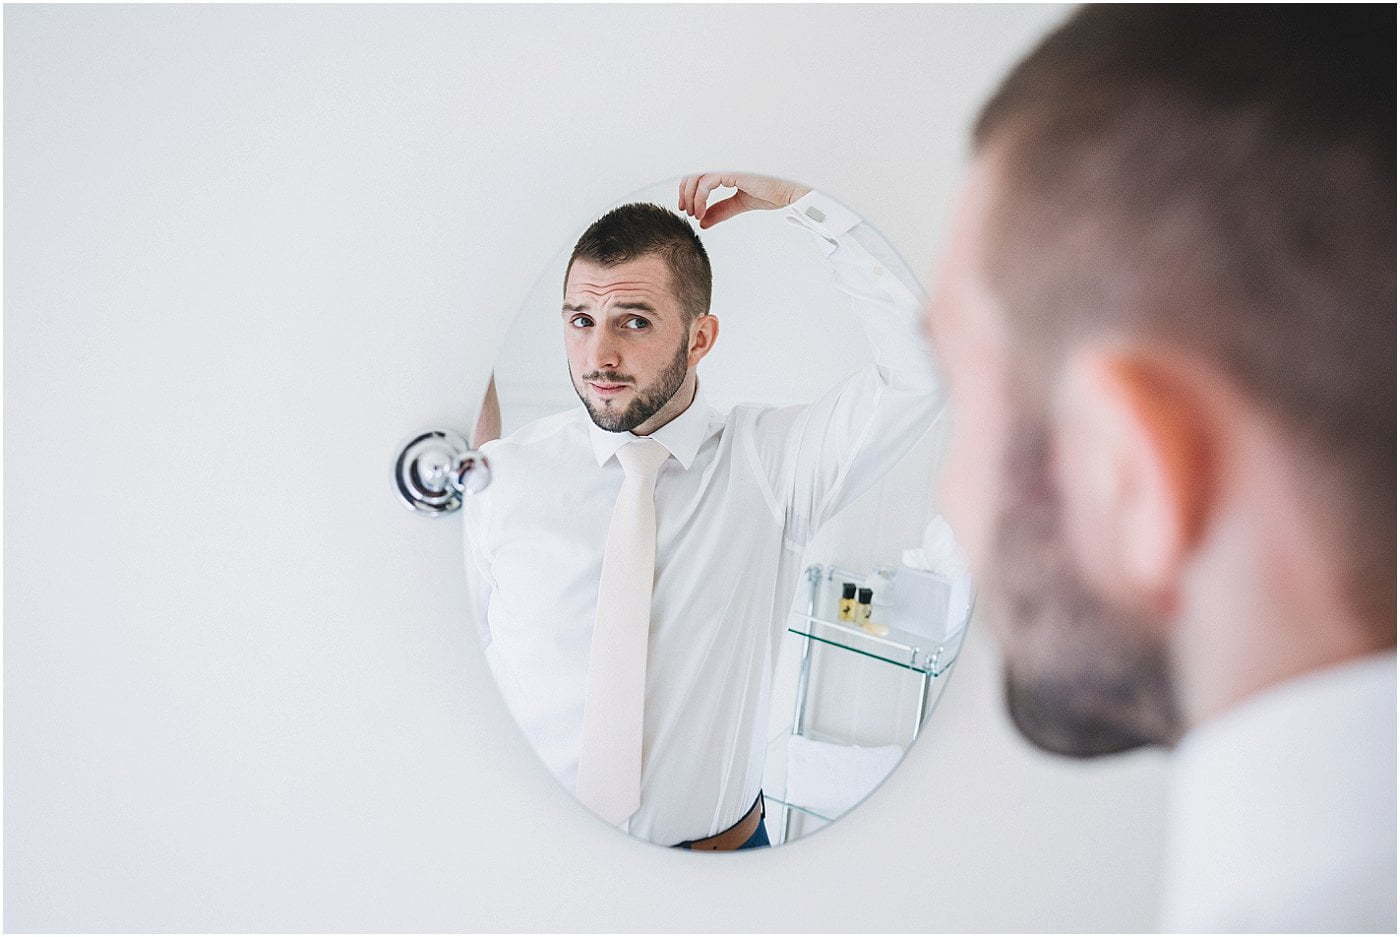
{"x": 736, "y": 835}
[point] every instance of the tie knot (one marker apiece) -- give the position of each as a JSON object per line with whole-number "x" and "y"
{"x": 642, "y": 457}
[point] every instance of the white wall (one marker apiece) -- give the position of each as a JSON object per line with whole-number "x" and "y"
{"x": 249, "y": 249}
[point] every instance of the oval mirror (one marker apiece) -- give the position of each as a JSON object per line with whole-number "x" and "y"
{"x": 709, "y": 576}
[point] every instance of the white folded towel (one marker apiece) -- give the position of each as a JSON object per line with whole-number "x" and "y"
{"x": 831, "y": 779}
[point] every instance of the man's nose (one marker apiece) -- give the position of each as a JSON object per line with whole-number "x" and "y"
{"x": 604, "y": 354}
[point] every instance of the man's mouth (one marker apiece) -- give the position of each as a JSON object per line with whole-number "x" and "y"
{"x": 606, "y": 390}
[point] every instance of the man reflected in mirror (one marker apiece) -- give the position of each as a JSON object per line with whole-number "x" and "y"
{"x": 635, "y": 557}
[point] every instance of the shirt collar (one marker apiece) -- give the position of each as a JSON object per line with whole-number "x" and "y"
{"x": 1289, "y": 705}
{"x": 682, "y": 437}
{"x": 1300, "y": 770}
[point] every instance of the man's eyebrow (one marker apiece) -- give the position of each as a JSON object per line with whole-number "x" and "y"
{"x": 638, "y": 305}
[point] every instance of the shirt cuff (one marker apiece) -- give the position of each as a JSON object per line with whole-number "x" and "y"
{"x": 823, "y": 216}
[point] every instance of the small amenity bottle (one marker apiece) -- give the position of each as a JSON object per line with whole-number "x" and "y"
{"x": 863, "y": 615}
{"x": 862, "y": 609}
{"x": 848, "y": 602}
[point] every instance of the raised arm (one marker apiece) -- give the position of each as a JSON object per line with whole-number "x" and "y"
{"x": 819, "y": 457}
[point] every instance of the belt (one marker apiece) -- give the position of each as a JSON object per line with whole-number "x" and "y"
{"x": 737, "y": 835}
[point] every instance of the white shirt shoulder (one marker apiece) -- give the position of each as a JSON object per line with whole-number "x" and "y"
{"x": 1282, "y": 810}
{"x": 538, "y": 433}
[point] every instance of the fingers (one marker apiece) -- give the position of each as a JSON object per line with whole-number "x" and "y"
{"x": 700, "y": 196}
{"x": 727, "y": 208}
{"x": 692, "y": 199}
{"x": 694, "y": 192}
{"x": 754, "y": 192}
{"x": 688, "y": 186}
{"x": 707, "y": 184}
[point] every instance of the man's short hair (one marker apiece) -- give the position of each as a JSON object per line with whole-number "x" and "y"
{"x": 1222, "y": 180}
{"x": 631, "y": 231}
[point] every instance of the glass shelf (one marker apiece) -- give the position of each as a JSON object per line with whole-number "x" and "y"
{"x": 904, "y": 649}
{"x": 920, "y": 654}
{"x": 779, "y": 802}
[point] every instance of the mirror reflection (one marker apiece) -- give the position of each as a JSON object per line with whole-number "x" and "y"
{"x": 709, "y": 576}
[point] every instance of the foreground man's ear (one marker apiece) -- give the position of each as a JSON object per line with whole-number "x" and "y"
{"x": 1131, "y": 459}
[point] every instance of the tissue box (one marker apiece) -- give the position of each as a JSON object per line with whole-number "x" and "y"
{"x": 925, "y": 604}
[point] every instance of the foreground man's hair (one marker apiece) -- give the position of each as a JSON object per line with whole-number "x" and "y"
{"x": 1221, "y": 179}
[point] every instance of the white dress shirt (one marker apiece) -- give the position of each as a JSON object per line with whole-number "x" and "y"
{"x": 740, "y": 495}
{"x": 1282, "y": 810}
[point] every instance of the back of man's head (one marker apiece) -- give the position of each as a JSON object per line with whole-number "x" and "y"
{"x": 1220, "y": 180}
{"x": 637, "y": 229}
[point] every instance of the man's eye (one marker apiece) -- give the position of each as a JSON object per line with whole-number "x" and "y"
{"x": 580, "y": 321}
{"x": 638, "y": 319}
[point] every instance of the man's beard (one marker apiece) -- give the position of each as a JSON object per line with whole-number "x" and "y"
{"x": 644, "y": 403}
{"x": 1083, "y": 677}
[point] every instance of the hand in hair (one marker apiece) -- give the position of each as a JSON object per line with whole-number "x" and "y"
{"x": 755, "y": 192}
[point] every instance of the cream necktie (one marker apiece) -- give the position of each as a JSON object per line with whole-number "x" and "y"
{"x": 610, "y": 759}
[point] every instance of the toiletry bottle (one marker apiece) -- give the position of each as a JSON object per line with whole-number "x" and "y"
{"x": 848, "y": 602}
{"x": 862, "y": 610}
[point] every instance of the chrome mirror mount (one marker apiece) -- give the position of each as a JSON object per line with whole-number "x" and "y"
{"x": 435, "y": 469}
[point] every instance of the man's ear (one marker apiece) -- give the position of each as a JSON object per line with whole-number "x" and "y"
{"x": 1131, "y": 464}
{"x": 704, "y": 332}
